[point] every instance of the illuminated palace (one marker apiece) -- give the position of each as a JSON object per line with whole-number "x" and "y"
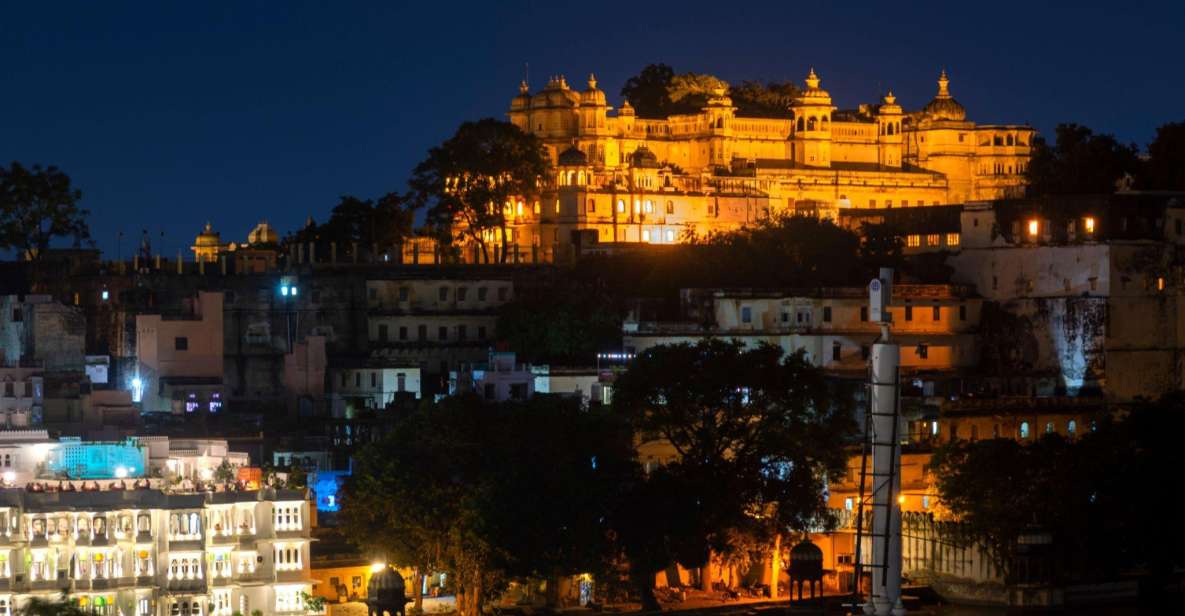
{"x": 622, "y": 178}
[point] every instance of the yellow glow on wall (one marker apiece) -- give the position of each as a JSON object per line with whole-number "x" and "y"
{"x": 1089, "y": 224}
{"x": 1034, "y": 227}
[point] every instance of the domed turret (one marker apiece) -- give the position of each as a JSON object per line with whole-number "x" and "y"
{"x": 626, "y": 109}
{"x": 943, "y": 106}
{"x": 555, "y": 94}
{"x": 643, "y": 158}
{"x": 811, "y": 135}
{"x": 523, "y": 100}
{"x": 593, "y": 95}
{"x": 572, "y": 157}
{"x": 207, "y": 244}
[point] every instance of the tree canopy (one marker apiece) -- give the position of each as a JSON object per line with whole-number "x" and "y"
{"x": 366, "y": 224}
{"x": 428, "y": 494}
{"x": 757, "y": 435}
{"x": 1090, "y": 493}
{"x": 1080, "y": 162}
{"x": 469, "y": 181}
{"x": 1165, "y": 167}
{"x": 37, "y": 205}
{"x": 658, "y": 92}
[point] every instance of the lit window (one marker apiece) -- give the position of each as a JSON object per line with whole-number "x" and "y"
{"x": 926, "y": 497}
{"x": 746, "y": 314}
{"x": 621, "y": 206}
{"x": 519, "y": 209}
{"x": 645, "y": 235}
{"x": 1160, "y": 283}
{"x": 1049, "y": 427}
{"x": 848, "y": 503}
{"x": 648, "y": 206}
{"x": 557, "y": 206}
{"x": 1071, "y": 428}
{"x": 932, "y": 239}
{"x": 1034, "y": 227}
{"x": 1024, "y": 429}
{"x": 670, "y": 236}
{"x": 952, "y": 239}
{"x": 1088, "y": 224}
{"x": 913, "y": 241}
{"x": 536, "y": 208}
{"x": 637, "y": 206}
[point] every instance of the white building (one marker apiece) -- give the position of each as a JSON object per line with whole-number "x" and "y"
{"x": 498, "y": 380}
{"x": 22, "y": 397}
{"x": 145, "y": 552}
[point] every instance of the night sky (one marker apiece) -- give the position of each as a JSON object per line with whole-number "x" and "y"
{"x": 169, "y": 114}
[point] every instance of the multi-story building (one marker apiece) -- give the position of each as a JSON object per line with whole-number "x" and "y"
{"x": 148, "y": 552}
{"x": 22, "y": 396}
{"x": 434, "y": 323}
{"x": 87, "y": 520}
{"x": 623, "y": 178}
{"x": 1086, "y": 293}
{"x": 935, "y": 325}
{"x": 179, "y": 358}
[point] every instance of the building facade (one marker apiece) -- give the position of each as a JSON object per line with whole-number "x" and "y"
{"x": 623, "y": 178}
{"x": 146, "y": 552}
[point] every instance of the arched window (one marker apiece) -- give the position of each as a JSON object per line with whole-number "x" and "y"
{"x": 1009, "y": 139}
{"x": 890, "y": 128}
{"x": 800, "y": 120}
{"x": 670, "y": 207}
{"x": 812, "y": 123}
{"x": 1071, "y": 428}
{"x": 1024, "y": 430}
{"x": 1049, "y": 427}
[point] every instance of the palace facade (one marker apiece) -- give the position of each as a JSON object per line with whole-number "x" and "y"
{"x": 623, "y": 178}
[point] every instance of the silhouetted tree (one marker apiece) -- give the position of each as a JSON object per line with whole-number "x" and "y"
{"x": 369, "y": 224}
{"x": 469, "y": 181}
{"x": 1165, "y": 167}
{"x": 36, "y": 205}
{"x": 1080, "y": 162}
{"x": 757, "y": 435}
{"x": 771, "y": 99}
{"x": 648, "y": 91}
{"x": 492, "y": 492}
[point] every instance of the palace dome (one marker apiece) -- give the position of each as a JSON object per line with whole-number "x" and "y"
{"x": 208, "y": 238}
{"x": 593, "y": 95}
{"x": 644, "y": 158}
{"x": 572, "y": 157}
{"x": 556, "y": 94}
{"x": 944, "y": 107}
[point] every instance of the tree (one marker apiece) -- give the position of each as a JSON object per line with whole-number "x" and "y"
{"x": 784, "y": 250}
{"x": 470, "y": 181}
{"x": 757, "y": 434}
{"x": 648, "y": 90}
{"x": 560, "y": 327}
{"x": 1080, "y": 162}
{"x": 689, "y": 92}
{"x": 368, "y": 224}
{"x": 771, "y": 99}
{"x": 38, "y": 606}
{"x": 1165, "y": 167}
{"x": 1090, "y": 493}
{"x": 426, "y": 494}
{"x": 36, "y": 206}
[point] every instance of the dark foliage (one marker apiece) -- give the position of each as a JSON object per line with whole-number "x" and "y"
{"x": 37, "y": 205}
{"x": 1165, "y": 167}
{"x": 1080, "y": 162}
{"x": 468, "y": 181}
{"x": 1092, "y": 493}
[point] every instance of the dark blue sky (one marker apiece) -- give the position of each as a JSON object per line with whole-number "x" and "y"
{"x": 168, "y": 114}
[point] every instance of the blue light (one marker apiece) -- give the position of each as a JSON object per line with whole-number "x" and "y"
{"x": 284, "y": 290}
